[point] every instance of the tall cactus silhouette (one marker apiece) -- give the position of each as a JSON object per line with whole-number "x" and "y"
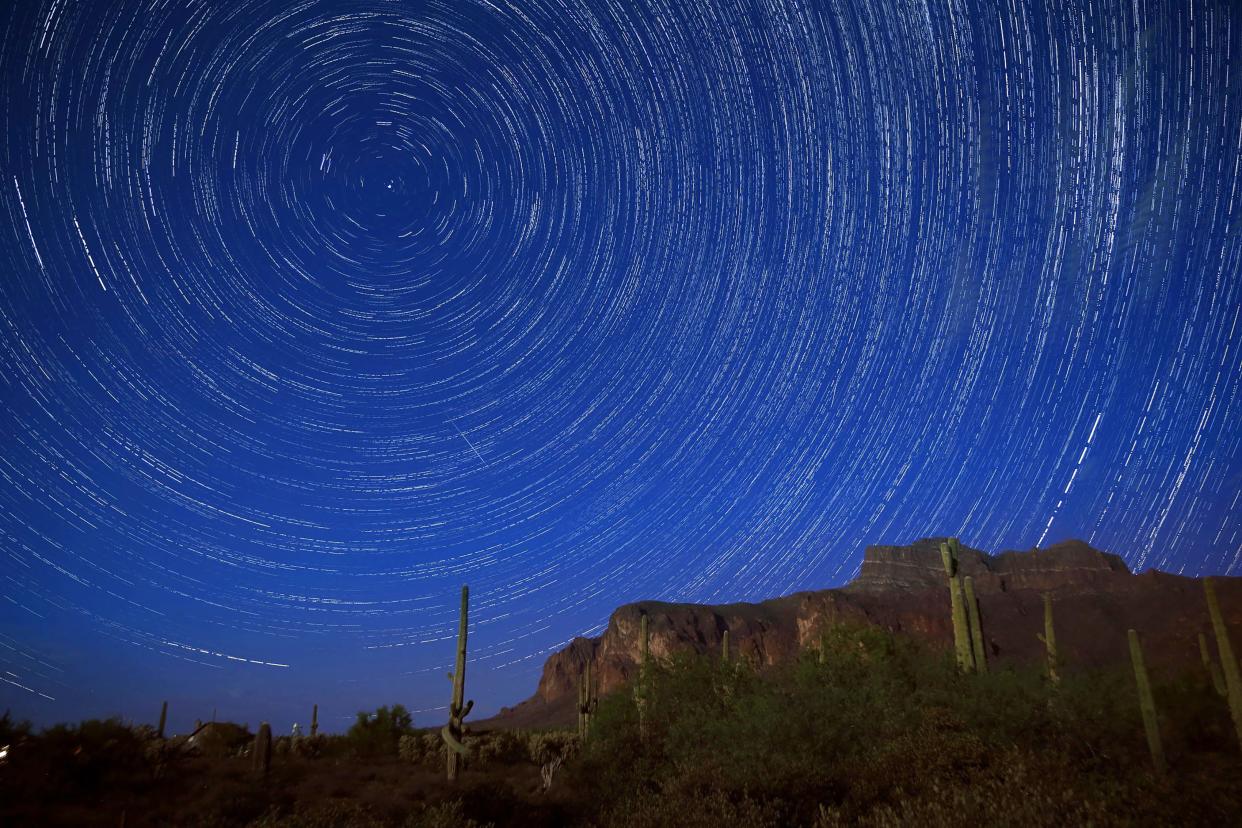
{"x": 587, "y": 703}
{"x": 163, "y": 720}
{"x": 642, "y": 689}
{"x": 976, "y": 627}
{"x": 1228, "y": 663}
{"x": 1049, "y": 638}
{"x": 314, "y": 731}
{"x": 262, "y": 759}
{"x": 452, "y": 732}
{"x": 961, "y": 632}
{"x": 724, "y": 647}
{"x": 1147, "y": 704}
{"x": 1213, "y": 669}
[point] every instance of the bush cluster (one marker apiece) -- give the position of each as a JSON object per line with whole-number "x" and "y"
{"x": 379, "y": 733}
{"x": 74, "y": 760}
{"x": 491, "y": 748}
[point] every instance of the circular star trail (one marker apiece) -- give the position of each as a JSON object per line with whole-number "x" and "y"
{"x": 313, "y": 312}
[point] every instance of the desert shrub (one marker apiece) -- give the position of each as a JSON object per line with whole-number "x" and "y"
{"x": 488, "y": 748}
{"x": 216, "y": 740}
{"x": 379, "y": 733}
{"x": 443, "y": 815}
{"x": 502, "y": 747}
{"x": 410, "y": 748}
{"x": 334, "y": 746}
{"x": 543, "y": 746}
{"x": 308, "y": 746}
{"x": 434, "y": 749}
{"x": 85, "y": 757}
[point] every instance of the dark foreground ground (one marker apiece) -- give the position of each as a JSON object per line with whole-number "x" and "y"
{"x": 103, "y": 773}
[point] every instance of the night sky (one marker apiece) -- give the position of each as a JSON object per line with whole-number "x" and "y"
{"x": 312, "y": 312}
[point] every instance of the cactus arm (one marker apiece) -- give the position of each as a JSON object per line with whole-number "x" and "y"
{"x": 454, "y": 744}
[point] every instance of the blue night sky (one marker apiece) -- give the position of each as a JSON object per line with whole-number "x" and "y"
{"x": 312, "y": 312}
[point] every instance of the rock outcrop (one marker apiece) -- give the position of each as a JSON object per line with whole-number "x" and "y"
{"x": 903, "y": 588}
{"x": 1064, "y": 566}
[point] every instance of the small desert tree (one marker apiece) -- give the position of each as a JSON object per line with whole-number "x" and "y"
{"x": 378, "y": 733}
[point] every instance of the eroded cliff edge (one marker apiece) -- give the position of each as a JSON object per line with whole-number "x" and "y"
{"x": 903, "y": 588}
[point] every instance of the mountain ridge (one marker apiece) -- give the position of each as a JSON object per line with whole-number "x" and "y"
{"x": 1096, "y": 598}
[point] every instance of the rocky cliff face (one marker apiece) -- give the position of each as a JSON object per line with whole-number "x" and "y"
{"x": 1071, "y": 565}
{"x": 903, "y": 588}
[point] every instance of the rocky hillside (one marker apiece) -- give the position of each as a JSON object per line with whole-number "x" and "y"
{"x": 903, "y": 588}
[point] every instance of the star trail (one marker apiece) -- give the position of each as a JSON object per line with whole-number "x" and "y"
{"x": 314, "y": 311}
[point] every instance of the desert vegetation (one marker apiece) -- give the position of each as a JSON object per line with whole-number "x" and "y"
{"x": 866, "y": 727}
{"x": 878, "y": 731}
{"x": 869, "y": 728}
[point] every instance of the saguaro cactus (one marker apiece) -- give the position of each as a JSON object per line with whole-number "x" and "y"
{"x": 315, "y": 721}
{"x": 1229, "y": 664}
{"x": 646, "y": 643}
{"x": 262, "y": 758}
{"x": 976, "y": 627}
{"x": 1213, "y": 669}
{"x": 961, "y": 632}
{"x": 583, "y": 697}
{"x": 587, "y": 703}
{"x": 458, "y": 707}
{"x": 1147, "y": 704}
{"x": 163, "y": 720}
{"x": 1050, "y": 641}
{"x": 641, "y": 689}
{"x": 724, "y": 647}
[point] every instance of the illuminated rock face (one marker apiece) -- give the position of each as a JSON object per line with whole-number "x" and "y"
{"x": 1069, "y": 565}
{"x": 902, "y": 588}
